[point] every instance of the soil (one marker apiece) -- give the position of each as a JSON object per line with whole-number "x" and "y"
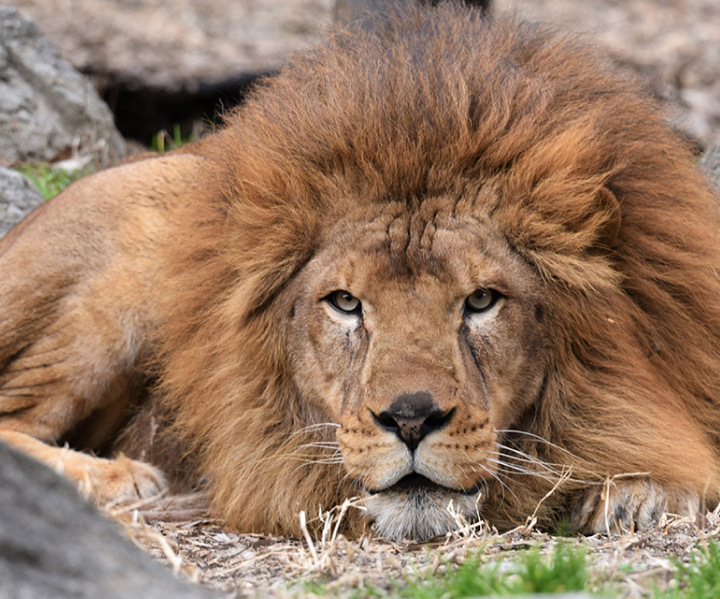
{"x": 182, "y": 533}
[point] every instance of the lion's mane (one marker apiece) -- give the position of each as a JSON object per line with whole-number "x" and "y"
{"x": 442, "y": 101}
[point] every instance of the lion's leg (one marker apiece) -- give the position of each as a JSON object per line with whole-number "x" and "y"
{"x": 74, "y": 374}
{"x": 77, "y": 380}
{"x": 84, "y": 285}
{"x": 47, "y": 396}
{"x": 629, "y": 505}
{"x": 120, "y": 479}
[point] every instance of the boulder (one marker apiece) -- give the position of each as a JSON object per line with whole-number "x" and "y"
{"x": 173, "y": 46}
{"x": 48, "y": 110}
{"x": 55, "y": 544}
{"x": 18, "y": 198}
{"x": 196, "y": 45}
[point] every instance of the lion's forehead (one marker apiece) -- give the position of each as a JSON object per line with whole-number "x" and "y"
{"x": 417, "y": 219}
{"x": 400, "y": 245}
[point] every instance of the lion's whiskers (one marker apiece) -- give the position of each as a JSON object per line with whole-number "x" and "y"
{"x": 321, "y": 445}
{"x": 510, "y": 456}
{"x": 317, "y": 451}
{"x": 537, "y": 438}
{"x": 510, "y": 470}
{"x": 512, "y": 461}
{"x": 494, "y": 475}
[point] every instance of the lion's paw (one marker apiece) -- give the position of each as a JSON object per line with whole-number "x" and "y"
{"x": 124, "y": 480}
{"x": 631, "y": 505}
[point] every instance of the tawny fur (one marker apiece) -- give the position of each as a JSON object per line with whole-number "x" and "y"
{"x": 590, "y": 188}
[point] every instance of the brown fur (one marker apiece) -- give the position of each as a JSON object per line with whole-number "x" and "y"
{"x": 570, "y": 176}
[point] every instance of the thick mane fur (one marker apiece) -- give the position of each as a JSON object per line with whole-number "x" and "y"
{"x": 445, "y": 102}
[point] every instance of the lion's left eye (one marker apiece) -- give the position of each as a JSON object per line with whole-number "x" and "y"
{"x": 344, "y": 302}
{"x": 481, "y": 300}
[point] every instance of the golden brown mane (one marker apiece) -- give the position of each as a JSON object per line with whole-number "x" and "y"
{"x": 444, "y": 102}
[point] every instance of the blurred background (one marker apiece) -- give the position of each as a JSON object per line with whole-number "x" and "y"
{"x": 164, "y": 64}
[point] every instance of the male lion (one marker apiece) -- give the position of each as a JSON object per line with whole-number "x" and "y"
{"x": 441, "y": 259}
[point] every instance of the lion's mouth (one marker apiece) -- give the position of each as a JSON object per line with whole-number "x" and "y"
{"x": 416, "y": 482}
{"x": 415, "y": 507}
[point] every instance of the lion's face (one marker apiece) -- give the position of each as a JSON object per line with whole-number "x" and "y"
{"x": 421, "y": 333}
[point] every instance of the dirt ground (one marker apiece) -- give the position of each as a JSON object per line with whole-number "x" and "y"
{"x": 181, "y": 533}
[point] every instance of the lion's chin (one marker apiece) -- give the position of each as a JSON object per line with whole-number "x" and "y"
{"x": 415, "y": 508}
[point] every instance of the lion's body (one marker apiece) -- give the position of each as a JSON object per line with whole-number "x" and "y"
{"x": 450, "y": 259}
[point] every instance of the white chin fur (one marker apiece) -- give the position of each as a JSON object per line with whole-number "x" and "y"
{"x": 419, "y": 514}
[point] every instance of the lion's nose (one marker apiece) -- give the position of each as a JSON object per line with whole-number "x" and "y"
{"x": 413, "y": 416}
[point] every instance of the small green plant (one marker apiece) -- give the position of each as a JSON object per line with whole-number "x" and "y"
{"x": 471, "y": 579}
{"x": 162, "y": 142}
{"x": 699, "y": 578}
{"x": 50, "y": 181}
{"x": 562, "y": 571}
{"x": 563, "y": 528}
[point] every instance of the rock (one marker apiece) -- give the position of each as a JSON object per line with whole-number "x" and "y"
{"x": 207, "y": 47}
{"x": 47, "y": 109}
{"x": 671, "y": 46}
{"x": 173, "y": 46}
{"x": 18, "y": 198}
{"x": 710, "y": 163}
{"x": 55, "y": 544}
{"x": 165, "y": 64}
{"x": 352, "y": 9}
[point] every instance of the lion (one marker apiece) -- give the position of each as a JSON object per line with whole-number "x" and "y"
{"x": 455, "y": 266}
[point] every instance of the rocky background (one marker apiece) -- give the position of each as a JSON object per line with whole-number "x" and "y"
{"x": 164, "y": 62}
{"x": 148, "y": 66}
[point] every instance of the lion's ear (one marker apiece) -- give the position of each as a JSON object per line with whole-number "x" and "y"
{"x": 608, "y": 205}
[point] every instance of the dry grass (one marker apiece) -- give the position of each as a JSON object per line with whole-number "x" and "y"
{"x": 181, "y": 532}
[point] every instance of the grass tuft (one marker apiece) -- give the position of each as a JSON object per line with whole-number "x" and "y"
{"x": 162, "y": 141}
{"x": 699, "y": 578}
{"x": 50, "y": 181}
{"x": 564, "y": 570}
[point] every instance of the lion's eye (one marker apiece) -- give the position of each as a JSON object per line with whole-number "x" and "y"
{"x": 344, "y": 302}
{"x": 481, "y": 300}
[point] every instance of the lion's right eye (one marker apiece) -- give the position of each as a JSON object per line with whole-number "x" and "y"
{"x": 344, "y": 302}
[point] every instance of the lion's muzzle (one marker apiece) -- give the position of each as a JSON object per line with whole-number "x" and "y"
{"x": 412, "y": 416}
{"x": 418, "y": 501}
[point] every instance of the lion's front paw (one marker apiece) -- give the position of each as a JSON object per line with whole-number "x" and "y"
{"x": 122, "y": 480}
{"x": 628, "y": 506}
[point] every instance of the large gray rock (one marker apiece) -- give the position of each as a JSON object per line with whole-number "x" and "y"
{"x": 175, "y": 46}
{"x": 54, "y": 544}
{"x": 47, "y": 108}
{"x": 674, "y": 46}
{"x": 18, "y": 198}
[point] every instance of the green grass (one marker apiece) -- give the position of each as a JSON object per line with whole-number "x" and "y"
{"x": 511, "y": 573}
{"x": 162, "y": 142}
{"x": 48, "y": 180}
{"x": 564, "y": 570}
{"x": 699, "y": 578}
{"x": 51, "y": 181}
